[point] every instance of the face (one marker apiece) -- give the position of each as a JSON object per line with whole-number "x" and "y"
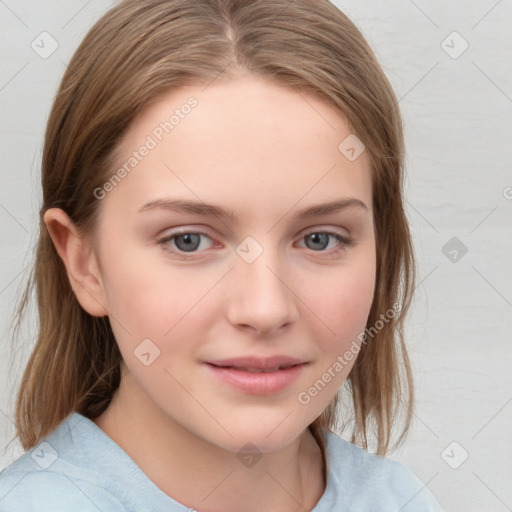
{"x": 264, "y": 274}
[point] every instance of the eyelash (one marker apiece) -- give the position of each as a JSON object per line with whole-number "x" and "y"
{"x": 164, "y": 242}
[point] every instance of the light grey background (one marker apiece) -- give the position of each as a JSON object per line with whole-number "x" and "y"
{"x": 457, "y": 108}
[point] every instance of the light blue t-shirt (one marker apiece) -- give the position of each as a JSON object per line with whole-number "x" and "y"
{"x": 79, "y": 468}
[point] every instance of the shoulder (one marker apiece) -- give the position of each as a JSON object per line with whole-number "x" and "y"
{"x": 51, "y": 491}
{"x": 54, "y": 476}
{"x": 78, "y": 468}
{"x": 363, "y": 477}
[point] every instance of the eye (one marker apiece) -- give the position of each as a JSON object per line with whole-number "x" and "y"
{"x": 185, "y": 242}
{"x": 318, "y": 241}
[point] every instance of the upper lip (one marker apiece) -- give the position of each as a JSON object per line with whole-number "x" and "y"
{"x": 259, "y": 363}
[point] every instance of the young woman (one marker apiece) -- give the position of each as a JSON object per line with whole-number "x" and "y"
{"x": 223, "y": 248}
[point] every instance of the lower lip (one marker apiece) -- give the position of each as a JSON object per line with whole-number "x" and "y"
{"x": 258, "y": 383}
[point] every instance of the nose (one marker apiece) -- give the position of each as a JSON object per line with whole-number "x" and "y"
{"x": 261, "y": 295}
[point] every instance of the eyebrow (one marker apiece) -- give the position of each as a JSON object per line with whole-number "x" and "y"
{"x": 204, "y": 209}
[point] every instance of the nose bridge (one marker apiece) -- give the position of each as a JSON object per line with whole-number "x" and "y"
{"x": 261, "y": 296}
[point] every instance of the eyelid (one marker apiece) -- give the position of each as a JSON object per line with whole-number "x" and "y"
{"x": 188, "y": 231}
{"x": 344, "y": 242}
{"x": 200, "y": 231}
{"x": 332, "y": 231}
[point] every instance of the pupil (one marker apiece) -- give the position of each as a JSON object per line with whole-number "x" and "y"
{"x": 319, "y": 238}
{"x": 189, "y": 241}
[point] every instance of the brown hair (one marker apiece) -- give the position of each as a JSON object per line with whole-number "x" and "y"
{"x": 141, "y": 49}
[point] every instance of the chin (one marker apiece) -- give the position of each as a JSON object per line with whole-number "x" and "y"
{"x": 267, "y": 434}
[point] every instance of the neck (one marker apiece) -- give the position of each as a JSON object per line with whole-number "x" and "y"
{"x": 207, "y": 477}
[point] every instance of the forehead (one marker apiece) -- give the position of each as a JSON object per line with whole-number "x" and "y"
{"x": 248, "y": 142}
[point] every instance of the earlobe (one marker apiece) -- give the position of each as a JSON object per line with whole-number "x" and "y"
{"x": 79, "y": 260}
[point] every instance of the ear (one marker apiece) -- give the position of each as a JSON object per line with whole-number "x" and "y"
{"x": 80, "y": 261}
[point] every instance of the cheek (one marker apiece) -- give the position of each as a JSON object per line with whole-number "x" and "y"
{"x": 159, "y": 325}
{"x": 343, "y": 307}
{"x": 172, "y": 307}
{"x": 145, "y": 292}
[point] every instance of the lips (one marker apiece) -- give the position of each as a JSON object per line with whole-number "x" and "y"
{"x": 257, "y": 364}
{"x": 254, "y": 370}
{"x": 258, "y": 375}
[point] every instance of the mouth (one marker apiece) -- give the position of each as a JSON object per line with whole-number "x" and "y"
{"x": 253, "y": 370}
{"x": 256, "y": 375}
{"x": 257, "y": 364}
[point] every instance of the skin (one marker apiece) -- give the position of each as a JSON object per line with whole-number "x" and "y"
{"x": 266, "y": 152}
